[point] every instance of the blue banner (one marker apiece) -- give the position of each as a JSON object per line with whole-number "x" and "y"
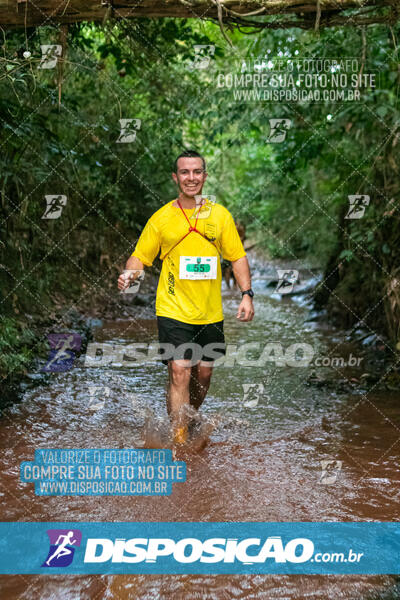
{"x": 208, "y": 548}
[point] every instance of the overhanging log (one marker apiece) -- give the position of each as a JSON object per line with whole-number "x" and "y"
{"x": 28, "y": 13}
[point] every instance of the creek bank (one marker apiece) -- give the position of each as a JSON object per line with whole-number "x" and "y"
{"x": 379, "y": 359}
{"x": 24, "y": 343}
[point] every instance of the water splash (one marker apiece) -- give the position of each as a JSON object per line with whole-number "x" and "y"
{"x": 158, "y": 431}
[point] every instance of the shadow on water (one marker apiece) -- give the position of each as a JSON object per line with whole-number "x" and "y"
{"x": 257, "y": 454}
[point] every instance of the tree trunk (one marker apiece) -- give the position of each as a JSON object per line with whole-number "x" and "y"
{"x": 25, "y": 13}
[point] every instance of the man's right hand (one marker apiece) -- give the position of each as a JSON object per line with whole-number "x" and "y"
{"x": 123, "y": 281}
{"x": 135, "y": 266}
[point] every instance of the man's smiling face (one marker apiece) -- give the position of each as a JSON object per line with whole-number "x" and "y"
{"x": 190, "y": 176}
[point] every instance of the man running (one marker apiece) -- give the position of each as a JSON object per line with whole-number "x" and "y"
{"x": 62, "y": 550}
{"x": 191, "y": 232}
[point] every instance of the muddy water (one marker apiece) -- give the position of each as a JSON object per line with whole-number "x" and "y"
{"x": 262, "y": 461}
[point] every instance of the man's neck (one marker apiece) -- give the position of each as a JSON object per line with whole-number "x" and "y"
{"x": 186, "y": 201}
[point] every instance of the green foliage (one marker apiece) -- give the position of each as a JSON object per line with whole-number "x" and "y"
{"x": 16, "y": 342}
{"x": 291, "y": 195}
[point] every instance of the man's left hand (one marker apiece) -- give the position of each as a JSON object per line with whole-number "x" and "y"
{"x": 246, "y": 309}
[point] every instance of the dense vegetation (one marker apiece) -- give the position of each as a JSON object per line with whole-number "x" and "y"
{"x": 59, "y": 131}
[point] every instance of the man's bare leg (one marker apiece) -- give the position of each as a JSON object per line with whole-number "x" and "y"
{"x": 187, "y": 385}
{"x": 200, "y": 382}
{"x": 177, "y": 396}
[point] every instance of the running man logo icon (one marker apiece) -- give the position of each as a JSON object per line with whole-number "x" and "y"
{"x": 279, "y": 129}
{"x": 203, "y": 206}
{"x": 357, "y": 206}
{"x": 202, "y": 56}
{"x": 61, "y": 551}
{"x": 54, "y": 206}
{"x": 286, "y": 280}
{"x": 252, "y": 393}
{"x": 62, "y": 351}
{"x": 330, "y": 470}
{"x": 132, "y": 280}
{"x": 50, "y": 54}
{"x": 98, "y": 396}
{"x": 129, "y": 127}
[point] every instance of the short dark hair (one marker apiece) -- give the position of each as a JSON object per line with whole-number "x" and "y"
{"x": 189, "y": 154}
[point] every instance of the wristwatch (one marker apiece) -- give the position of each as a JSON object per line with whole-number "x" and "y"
{"x": 249, "y": 292}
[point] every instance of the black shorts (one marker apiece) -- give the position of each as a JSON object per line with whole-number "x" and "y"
{"x": 191, "y": 342}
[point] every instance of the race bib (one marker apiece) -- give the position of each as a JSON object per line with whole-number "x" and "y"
{"x": 198, "y": 267}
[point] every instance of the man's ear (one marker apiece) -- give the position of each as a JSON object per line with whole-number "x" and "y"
{"x": 174, "y": 177}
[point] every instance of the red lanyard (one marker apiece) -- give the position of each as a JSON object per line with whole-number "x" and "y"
{"x": 184, "y": 214}
{"x": 190, "y": 229}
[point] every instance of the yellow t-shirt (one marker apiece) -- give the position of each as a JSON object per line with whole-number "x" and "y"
{"x": 188, "y": 300}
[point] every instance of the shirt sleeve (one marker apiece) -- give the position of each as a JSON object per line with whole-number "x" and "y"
{"x": 232, "y": 247}
{"x": 148, "y": 244}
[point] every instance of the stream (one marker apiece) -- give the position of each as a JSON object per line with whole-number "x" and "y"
{"x": 270, "y": 430}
